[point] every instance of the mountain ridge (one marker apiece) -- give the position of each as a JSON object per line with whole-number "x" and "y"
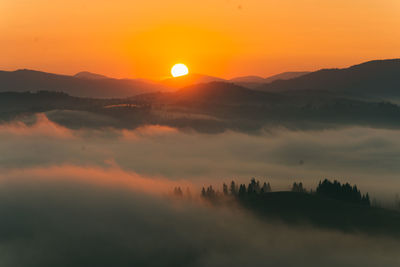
{"x": 90, "y": 75}
{"x": 376, "y": 78}
{"x": 32, "y": 80}
{"x": 372, "y": 79}
{"x": 253, "y": 82}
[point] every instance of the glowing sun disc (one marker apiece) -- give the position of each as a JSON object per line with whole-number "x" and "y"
{"x": 179, "y": 70}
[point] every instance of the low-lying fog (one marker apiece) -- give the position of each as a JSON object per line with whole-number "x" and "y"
{"x": 72, "y": 216}
{"x": 368, "y": 157}
{"x": 97, "y": 197}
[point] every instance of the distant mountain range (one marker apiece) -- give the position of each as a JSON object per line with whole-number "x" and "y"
{"x": 374, "y": 79}
{"x": 190, "y": 79}
{"x": 253, "y": 82}
{"x": 83, "y": 84}
{"x": 377, "y": 79}
{"x": 250, "y": 82}
{"x": 90, "y": 76}
{"x": 318, "y": 100}
{"x": 213, "y": 93}
{"x": 87, "y": 84}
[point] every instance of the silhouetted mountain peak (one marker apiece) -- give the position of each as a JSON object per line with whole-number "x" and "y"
{"x": 90, "y": 75}
{"x": 248, "y": 79}
{"x": 21, "y": 74}
{"x": 253, "y": 82}
{"x": 286, "y": 76}
{"x": 212, "y": 87}
{"x": 25, "y": 70}
{"x": 222, "y": 93}
{"x": 190, "y": 79}
{"x": 378, "y": 78}
{"x": 31, "y": 80}
{"x": 383, "y": 63}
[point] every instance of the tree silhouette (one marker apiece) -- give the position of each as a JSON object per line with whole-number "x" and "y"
{"x": 225, "y": 189}
{"x": 335, "y": 190}
{"x": 254, "y": 187}
{"x": 233, "y": 188}
{"x": 298, "y": 187}
{"x": 344, "y": 192}
{"x": 203, "y": 192}
{"x": 266, "y": 188}
{"x": 242, "y": 190}
{"x": 210, "y": 192}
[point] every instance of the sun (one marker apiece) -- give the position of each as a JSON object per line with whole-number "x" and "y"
{"x": 179, "y": 70}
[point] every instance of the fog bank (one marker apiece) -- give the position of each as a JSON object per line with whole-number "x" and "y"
{"x": 71, "y": 221}
{"x": 365, "y": 156}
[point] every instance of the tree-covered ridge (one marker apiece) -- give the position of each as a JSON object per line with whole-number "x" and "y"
{"x": 344, "y": 192}
{"x": 332, "y": 205}
{"x": 335, "y": 190}
{"x": 237, "y": 190}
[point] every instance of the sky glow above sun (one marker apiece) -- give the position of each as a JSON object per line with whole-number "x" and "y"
{"x": 179, "y": 70}
{"x": 143, "y": 39}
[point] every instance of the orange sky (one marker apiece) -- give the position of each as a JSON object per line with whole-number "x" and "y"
{"x": 226, "y": 38}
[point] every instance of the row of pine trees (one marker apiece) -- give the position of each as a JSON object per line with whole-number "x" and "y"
{"x": 344, "y": 192}
{"x": 335, "y": 190}
{"x": 254, "y": 187}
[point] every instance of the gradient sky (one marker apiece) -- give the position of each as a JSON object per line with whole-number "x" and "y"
{"x": 226, "y": 38}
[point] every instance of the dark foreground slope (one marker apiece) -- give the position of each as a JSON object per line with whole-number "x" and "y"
{"x": 321, "y": 211}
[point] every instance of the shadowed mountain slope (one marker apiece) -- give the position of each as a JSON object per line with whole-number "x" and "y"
{"x": 79, "y": 85}
{"x": 256, "y": 81}
{"x": 324, "y": 212}
{"x": 379, "y": 79}
{"x": 90, "y": 75}
{"x": 214, "y": 93}
{"x": 190, "y": 79}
